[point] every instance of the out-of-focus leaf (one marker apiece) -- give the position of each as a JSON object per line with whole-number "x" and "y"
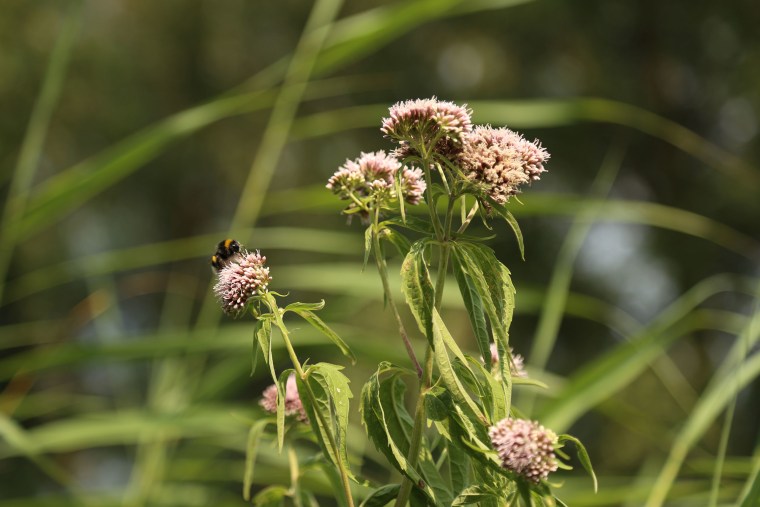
{"x": 250, "y": 455}
{"x": 271, "y": 496}
{"x": 583, "y": 457}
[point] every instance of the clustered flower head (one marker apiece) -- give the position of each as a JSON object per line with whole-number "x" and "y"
{"x": 373, "y": 175}
{"x": 293, "y": 405}
{"x": 525, "y": 447}
{"x": 500, "y": 161}
{"x": 516, "y": 365}
{"x": 422, "y": 121}
{"x": 240, "y": 280}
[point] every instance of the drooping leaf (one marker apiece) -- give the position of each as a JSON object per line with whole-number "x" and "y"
{"x": 473, "y": 304}
{"x": 250, "y": 455}
{"x": 417, "y": 287}
{"x": 368, "y": 233}
{"x": 282, "y": 384}
{"x": 507, "y": 215}
{"x": 328, "y": 410}
{"x": 582, "y": 457}
{"x": 387, "y": 422}
{"x": 271, "y": 496}
{"x": 320, "y": 325}
{"x": 298, "y": 306}
{"x": 264, "y": 338}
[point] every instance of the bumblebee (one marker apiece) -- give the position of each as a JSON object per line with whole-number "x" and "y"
{"x": 226, "y": 252}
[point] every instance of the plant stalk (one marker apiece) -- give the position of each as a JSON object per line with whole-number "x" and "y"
{"x": 345, "y": 481}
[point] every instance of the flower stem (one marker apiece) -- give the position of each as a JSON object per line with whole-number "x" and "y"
{"x": 382, "y": 268}
{"x": 312, "y": 397}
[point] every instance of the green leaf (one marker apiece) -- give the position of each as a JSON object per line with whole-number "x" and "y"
{"x": 381, "y": 496}
{"x": 387, "y": 422}
{"x": 493, "y": 283}
{"x": 250, "y": 455}
{"x": 473, "y": 494}
{"x": 411, "y": 223}
{"x": 282, "y": 385}
{"x": 367, "y": 245}
{"x": 473, "y": 303}
{"x": 264, "y": 339}
{"x": 582, "y": 457}
{"x": 271, "y": 496}
{"x": 459, "y": 467}
{"x": 397, "y": 239}
{"x": 319, "y": 324}
{"x": 504, "y": 213}
{"x": 298, "y": 306}
{"x": 417, "y": 287}
{"x": 442, "y": 338}
{"x": 331, "y": 400}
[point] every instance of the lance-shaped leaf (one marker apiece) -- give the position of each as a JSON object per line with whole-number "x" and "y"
{"x": 320, "y": 326}
{"x": 417, "y": 287}
{"x": 381, "y": 496}
{"x": 282, "y": 389}
{"x": 387, "y": 421}
{"x": 325, "y": 396}
{"x": 251, "y": 449}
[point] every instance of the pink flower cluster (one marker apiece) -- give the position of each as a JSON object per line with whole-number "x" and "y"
{"x": 373, "y": 174}
{"x": 500, "y": 161}
{"x": 293, "y": 405}
{"x": 525, "y": 448}
{"x": 240, "y": 280}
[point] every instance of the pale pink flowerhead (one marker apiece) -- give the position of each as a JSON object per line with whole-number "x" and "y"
{"x": 525, "y": 447}
{"x": 293, "y": 405}
{"x": 373, "y": 175}
{"x": 516, "y": 366}
{"x": 499, "y": 161}
{"x": 422, "y": 121}
{"x": 240, "y": 280}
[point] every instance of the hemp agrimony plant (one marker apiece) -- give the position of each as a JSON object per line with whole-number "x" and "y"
{"x": 465, "y": 442}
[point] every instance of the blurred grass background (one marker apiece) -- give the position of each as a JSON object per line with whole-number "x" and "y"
{"x": 137, "y": 134}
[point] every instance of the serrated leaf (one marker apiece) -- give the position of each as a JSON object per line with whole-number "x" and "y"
{"x": 331, "y": 399}
{"x": 473, "y": 303}
{"x": 320, "y": 325}
{"x": 250, "y": 455}
{"x": 493, "y": 283}
{"x": 417, "y": 287}
{"x": 473, "y": 494}
{"x": 381, "y": 496}
{"x": 387, "y": 422}
{"x": 583, "y": 457}
{"x": 442, "y": 337}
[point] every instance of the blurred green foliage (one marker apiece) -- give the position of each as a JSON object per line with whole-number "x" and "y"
{"x": 137, "y": 134}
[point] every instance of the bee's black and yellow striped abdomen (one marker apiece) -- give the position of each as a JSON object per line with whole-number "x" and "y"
{"x": 226, "y": 250}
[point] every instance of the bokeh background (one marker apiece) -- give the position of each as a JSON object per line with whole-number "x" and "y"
{"x": 136, "y": 134}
